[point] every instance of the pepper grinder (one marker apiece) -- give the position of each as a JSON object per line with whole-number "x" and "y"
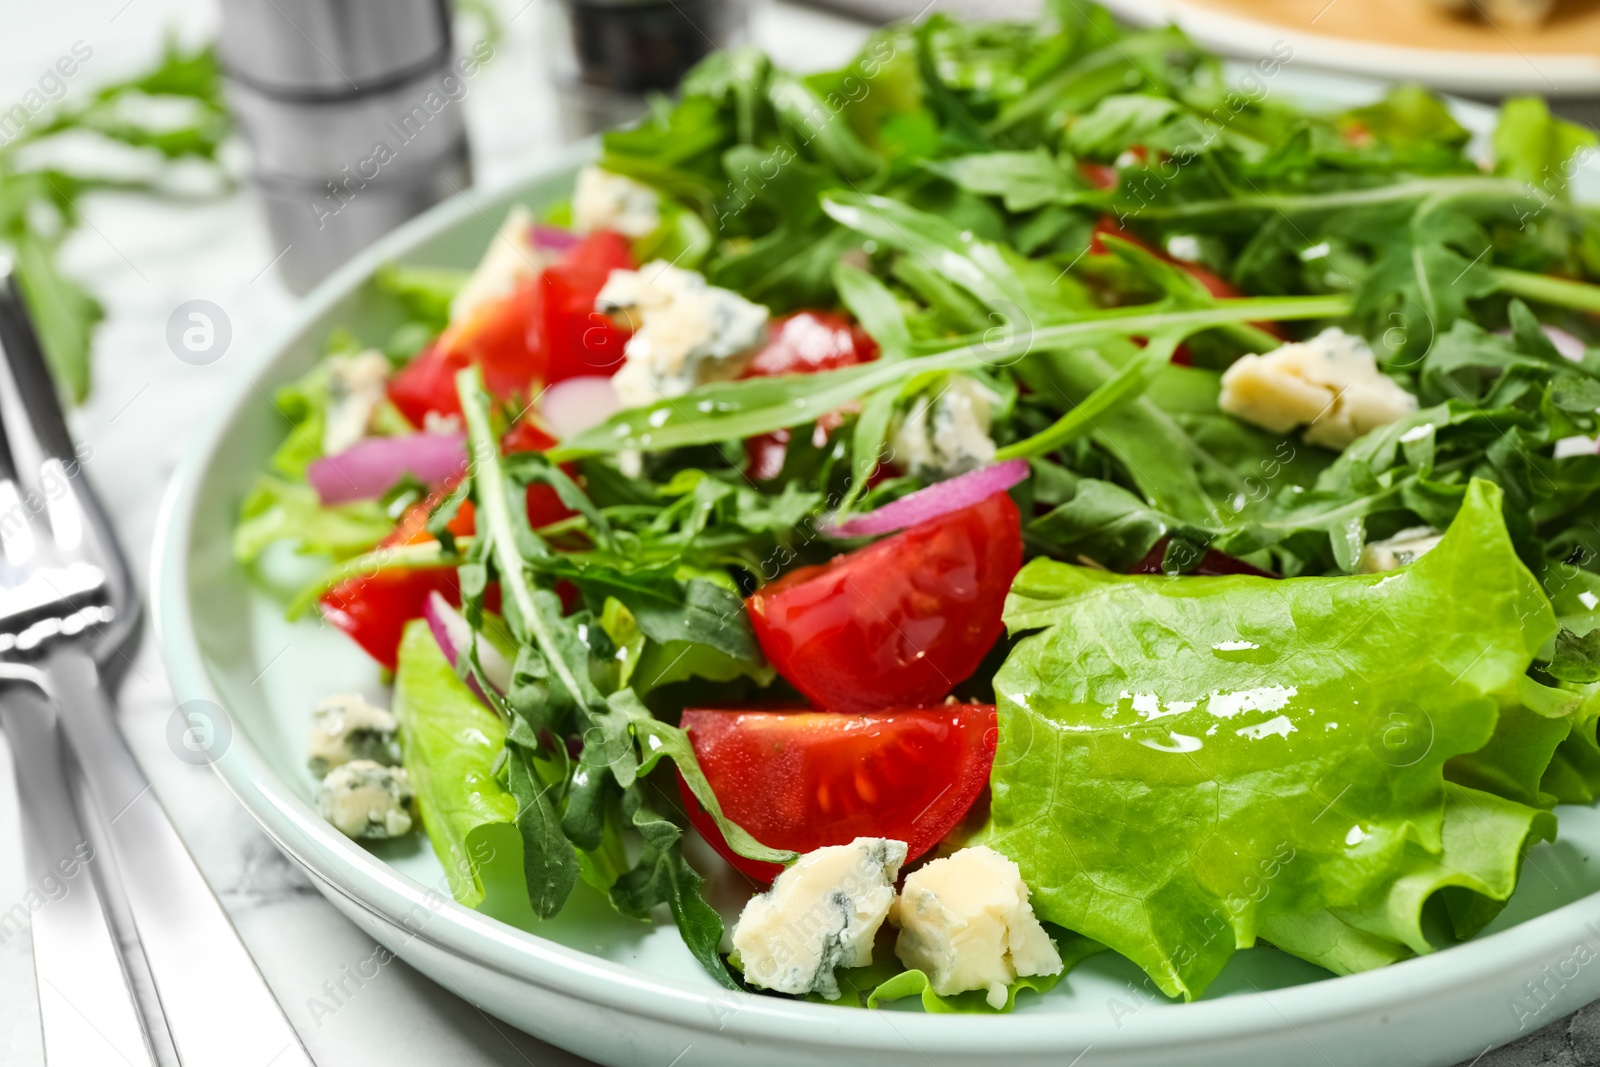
{"x": 353, "y": 111}
{"x": 607, "y": 56}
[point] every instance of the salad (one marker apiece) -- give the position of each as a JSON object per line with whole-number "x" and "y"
{"x": 1030, "y": 492}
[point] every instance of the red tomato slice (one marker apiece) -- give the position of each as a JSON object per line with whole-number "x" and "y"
{"x": 374, "y": 610}
{"x": 900, "y": 622}
{"x": 578, "y": 338}
{"x": 543, "y": 331}
{"x": 802, "y": 343}
{"x": 498, "y": 338}
{"x": 1099, "y": 175}
{"x": 811, "y": 341}
{"x": 803, "y": 780}
{"x": 428, "y": 383}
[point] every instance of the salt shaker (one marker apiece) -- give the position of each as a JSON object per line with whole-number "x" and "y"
{"x": 353, "y": 111}
{"x": 606, "y": 56}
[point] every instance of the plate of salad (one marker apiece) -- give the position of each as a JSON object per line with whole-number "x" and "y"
{"x": 1015, "y": 546}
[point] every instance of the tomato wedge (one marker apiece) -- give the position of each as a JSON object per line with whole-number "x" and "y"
{"x": 577, "y": 339}
{"x": 900, "y": 622}
{"x": 802, "y": 780}
{"x": 544, "y": 330}
{"x": 496, "y": 337}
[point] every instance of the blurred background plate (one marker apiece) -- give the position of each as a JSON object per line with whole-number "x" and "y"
{"x": 1474, "y": 54}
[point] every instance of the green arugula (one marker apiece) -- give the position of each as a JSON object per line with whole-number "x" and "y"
{"x": 40, "y": 202}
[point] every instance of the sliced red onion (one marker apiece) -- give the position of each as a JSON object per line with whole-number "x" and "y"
{"x": 369, "y": 468}
{"x": 553, "y": 238}
{"x": 1567, "y": 344}
{"x": 569, "y": 407}
{"x": 451, "y": 629}
{"x": 951, "y": 495}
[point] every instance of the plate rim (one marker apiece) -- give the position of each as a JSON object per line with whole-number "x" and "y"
{"x": 367, "y": 882}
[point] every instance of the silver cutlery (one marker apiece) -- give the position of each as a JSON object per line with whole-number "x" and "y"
{"x": 69, "y": 619}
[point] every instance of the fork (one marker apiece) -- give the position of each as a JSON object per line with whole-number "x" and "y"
{"x": 70, "y": 621}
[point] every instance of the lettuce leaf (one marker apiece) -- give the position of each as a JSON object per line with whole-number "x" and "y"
{"x": 1573, "y": 776}
{"x": 278, "y": 510}
{"x": 1074, "y": 949}
{"x": 450, "y": 742}
{"x": 1485, "y": 838}
{"x": 1181, "y": 761}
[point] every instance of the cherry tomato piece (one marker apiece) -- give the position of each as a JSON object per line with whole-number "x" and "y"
{"x": 803, "y": 780}
{"x": 900, "y": 622}
{"x": 578, "y": 339}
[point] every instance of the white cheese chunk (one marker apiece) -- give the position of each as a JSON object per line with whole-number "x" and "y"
{"x": 355, "y": 389}
{"x": 345, "y": 728}
{"x": 364, "y": 798}
{"x": 947, "y": 433}
{"x": 510, "y": 260}
{"x": 1571, "y": 447}
{"x": 821, "y": 913}
{"x": 606, "y": 201}
{"x": 1330, "y": 384}
{"x": 686, "y": 331}
{"x": 1393, "y": 552}
{"x": 966, "y": 923}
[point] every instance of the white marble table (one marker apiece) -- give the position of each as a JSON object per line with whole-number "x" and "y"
{"x": 143, "y": 259}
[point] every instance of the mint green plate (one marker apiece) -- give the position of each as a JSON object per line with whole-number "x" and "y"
{"x": 627, "y": 993}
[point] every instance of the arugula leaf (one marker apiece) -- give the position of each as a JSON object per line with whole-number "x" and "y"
{"x": 663, "y": 876}
{"x": 39, "y": 201}
{"x": 1023, "y": 180}
{"x": 1117, "y": 122}
{"x": 1171, "y": 751}
{"x": 549, "y": 860}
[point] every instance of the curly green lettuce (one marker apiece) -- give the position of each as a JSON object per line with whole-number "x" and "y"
{"x": 1186, "y": 765}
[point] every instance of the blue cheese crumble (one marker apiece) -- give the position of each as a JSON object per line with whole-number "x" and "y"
{"x": 1330, "y": 384}
{"x": 686, "y": 331}
{"x": 355, "y": 389}
{"x": 946, "y": 433}
{"x": 607, "y": 201}
{"x": 345, "y": 728}
{"x": 366, "y": 799}
{"x": 966, "y": 923}
{"x": 822, "y": 913}
{"x": 1405, "y": 547}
